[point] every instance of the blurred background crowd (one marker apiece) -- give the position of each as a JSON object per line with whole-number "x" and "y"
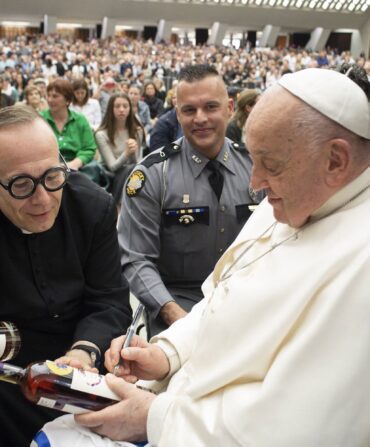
{"x": 125, "y": 88}
{"x": 116, "y": 63}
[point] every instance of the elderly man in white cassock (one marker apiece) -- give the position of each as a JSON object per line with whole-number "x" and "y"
{"x": 278, "y": 351}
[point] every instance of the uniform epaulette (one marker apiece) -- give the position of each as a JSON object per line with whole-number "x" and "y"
{"x": 237, "y": 146}
{"x": 162, "y": 155}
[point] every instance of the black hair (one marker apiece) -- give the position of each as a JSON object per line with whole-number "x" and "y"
{"x": 198, "y": 72}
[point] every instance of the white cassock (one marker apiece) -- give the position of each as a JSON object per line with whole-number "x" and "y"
{"x": 278, "y": 352}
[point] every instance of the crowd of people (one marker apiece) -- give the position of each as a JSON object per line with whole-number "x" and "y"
{"x": 250, "y": 253}
{"x": 146, "y": 72}
{"x": 124, "y": 61}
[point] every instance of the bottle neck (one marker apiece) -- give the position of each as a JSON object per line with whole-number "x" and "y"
{"x": 11, "y": 373}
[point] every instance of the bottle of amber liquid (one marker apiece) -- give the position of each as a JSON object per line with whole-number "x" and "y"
{"x": 10, "y": 341}
{"x": 60, "y": 387}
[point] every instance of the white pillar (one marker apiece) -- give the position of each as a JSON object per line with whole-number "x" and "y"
{"x": 217, "y": 35}
{"x": 318, "y": 39}
{"x": 164, "y": 30}
{"x": 269, "y": 35}
{"x": 356, "y": 43}
{"x": 360, "y": 40}
{"x": 50, "y": 24}
{"x": 108, "y": 28}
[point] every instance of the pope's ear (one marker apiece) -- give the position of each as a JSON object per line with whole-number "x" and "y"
{"x": 339, "y": 156}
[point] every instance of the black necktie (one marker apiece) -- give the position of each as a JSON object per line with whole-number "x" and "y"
{"x": 216, "y": 179}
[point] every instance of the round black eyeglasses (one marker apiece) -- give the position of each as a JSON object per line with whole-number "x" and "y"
{"x": 23, "y": 186}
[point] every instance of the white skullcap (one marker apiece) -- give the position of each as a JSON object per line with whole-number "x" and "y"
{"x": 334, "y": 95}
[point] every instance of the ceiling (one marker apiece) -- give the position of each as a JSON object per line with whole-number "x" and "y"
{"x": 189, "y": 13}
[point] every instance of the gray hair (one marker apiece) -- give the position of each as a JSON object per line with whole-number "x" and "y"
{"x": 20, "y": 114}
{"x": 316, "y": 129}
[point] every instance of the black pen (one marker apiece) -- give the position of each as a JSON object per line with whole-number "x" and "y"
{"x": 129, "y": 334}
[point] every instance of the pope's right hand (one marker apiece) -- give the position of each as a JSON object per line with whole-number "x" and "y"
{"x": 142, "y": 360}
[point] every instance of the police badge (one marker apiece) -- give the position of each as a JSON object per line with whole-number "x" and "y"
{"x": 135, "y": 183}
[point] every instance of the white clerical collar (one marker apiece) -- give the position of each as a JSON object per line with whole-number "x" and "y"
{"x": 25, "y": 231}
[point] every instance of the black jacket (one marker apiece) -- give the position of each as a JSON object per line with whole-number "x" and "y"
{"x": 58, "y": 287}
{"x": 155, "y": 105}
{"x": 166, "y": 130}
{"x": 234, "y": 132}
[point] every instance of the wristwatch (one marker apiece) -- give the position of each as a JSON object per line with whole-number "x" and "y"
{"x": 94, "y": 353}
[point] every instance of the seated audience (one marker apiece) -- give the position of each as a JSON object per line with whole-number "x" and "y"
{"x": 160, "y": 89}
{"x": 120, "y": 138}
{"x": 32, "y": 97}
{"x": 140, "y": 108}
{"x": 170, "y": 100}
{"x": 5, "y": 100}
{"x": 106, "y": 90}
{"x": 154, "y": 103}
{"x": 74, "y": 135}
{"x": 82, "y": 103}
{"x": 166, "y": 130}
{"x": 244, "y": 105}
{"x": 41, "y": 83}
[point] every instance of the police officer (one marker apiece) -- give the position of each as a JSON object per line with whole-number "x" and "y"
{"x": 185, "y": 203}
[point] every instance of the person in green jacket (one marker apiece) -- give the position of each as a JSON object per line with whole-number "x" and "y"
{"x": 74, "y": 135}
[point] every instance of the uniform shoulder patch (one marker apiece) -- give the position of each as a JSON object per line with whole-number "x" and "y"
{"x": 135, "y": 183}
{"x": 161, "y": 155}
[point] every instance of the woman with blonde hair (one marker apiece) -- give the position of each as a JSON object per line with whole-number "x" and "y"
{"x": 244, "y": 105}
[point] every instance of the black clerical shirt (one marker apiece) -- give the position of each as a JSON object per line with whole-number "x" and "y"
{"x": 61, "y": 286}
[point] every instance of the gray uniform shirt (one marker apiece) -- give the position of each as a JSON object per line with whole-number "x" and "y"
{"x": 172, "y": 229}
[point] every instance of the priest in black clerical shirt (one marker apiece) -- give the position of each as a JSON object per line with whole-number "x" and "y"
{"x": 60, "y": 273}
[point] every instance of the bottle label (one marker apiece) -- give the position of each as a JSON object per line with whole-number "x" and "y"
{"x": 2, "y": 344}
{"x": 67, "y": 408}
{"x": 45, "y": 402}
{"x": 93, "y": 383}
{"x": 59, "y": 369}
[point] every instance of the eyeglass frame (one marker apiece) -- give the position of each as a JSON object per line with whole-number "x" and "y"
{"x": 39, "y": 180}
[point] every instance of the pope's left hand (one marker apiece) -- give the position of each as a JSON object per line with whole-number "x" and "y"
{"x": 124, "y": 421}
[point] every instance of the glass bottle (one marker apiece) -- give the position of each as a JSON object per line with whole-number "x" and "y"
{"x": 10, "y": 341}
{"x": 60, "y": 387}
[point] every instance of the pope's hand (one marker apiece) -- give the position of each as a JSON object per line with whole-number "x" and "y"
{"x": 142, "y": 360}
{"x": 124, "y": 421}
